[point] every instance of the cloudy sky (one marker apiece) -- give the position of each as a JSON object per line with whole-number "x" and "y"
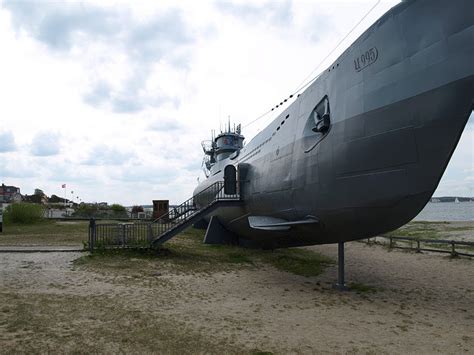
{"x": 113, "y": 99}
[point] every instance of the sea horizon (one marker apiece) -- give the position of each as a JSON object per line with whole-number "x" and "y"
{"x": 447, "y": 211}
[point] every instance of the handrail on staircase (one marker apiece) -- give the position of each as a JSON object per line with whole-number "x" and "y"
{"x": 188, "y": 208}
{"x": 167, "y": 215}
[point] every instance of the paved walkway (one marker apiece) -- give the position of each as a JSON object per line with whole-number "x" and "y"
{"x": 39, "y": 249}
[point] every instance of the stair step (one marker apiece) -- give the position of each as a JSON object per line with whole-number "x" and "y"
{"x": 191, "y": 212}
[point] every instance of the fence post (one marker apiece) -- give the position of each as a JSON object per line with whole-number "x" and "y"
{"x": 123, "y": 234}
{"x": 418, "y": 246}
{"x": 453, "y": 248}
{"x": 149, "y": 233}
{"x": 92, "y": 234}
{"x": 390, "y": 245}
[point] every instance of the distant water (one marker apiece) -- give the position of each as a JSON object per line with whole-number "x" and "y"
{"x": 447, "y": 211}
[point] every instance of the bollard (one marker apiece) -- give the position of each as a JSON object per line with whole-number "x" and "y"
{"x": 418, "y": 246}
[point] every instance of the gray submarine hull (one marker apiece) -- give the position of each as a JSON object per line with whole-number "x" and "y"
{"x": 399, "y": 98}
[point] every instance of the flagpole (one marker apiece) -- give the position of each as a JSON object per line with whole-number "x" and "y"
{"x": 65, "y": 193}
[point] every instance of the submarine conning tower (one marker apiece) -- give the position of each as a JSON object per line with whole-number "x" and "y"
{"x": 226, "y": 143}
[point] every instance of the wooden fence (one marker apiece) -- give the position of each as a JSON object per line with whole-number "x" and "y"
{"x": 453, "y": 247}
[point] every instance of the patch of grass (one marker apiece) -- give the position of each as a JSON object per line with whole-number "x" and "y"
{"x": 297, "y": 261}
{"x": 415, "y": 233}
{"x": 429, "y": 230}
{"x": 428, "y": 222}
{"x": 419, "y": 230}
{"x": 186, "y": 253}
{"x": 46, "y": 232}
{"x": 459, "y": 229}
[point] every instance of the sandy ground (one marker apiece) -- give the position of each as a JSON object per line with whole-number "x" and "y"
{"x": 418, "y": 303}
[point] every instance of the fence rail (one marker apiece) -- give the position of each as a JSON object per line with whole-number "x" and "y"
{"x": 453, "y": 247}
{"x": 118, "y": 235}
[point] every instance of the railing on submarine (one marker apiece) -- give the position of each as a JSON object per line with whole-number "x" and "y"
{"x": 188, "y": 210}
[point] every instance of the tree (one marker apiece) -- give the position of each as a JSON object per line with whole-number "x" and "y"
{"x": 86, "y": 210}
{"x": 56, "y": 199}
{"x": 38, "y": 197}
{"x": 24, "y": 213}
{"x": 116, "y": 208}
{"x": 39, "y": 192}
{"x": 118, "y": 211}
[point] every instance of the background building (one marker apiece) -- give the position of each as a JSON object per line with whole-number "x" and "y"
{"x": 9, "y": 194}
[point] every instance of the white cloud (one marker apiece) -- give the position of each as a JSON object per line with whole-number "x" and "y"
{"x": 45, "y": 144}
{"x": 13, "y": 167}
{"x": 103, "y": 155}
{"x": 130, "y": 91}
{"x": 108, "y": 40}
{"x": 274, "y": 13}
{"x": 7, "y": 142}
{"x": 166, "y": 125}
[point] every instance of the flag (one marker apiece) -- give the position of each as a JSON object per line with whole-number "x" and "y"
{"x": 63, "y": 186}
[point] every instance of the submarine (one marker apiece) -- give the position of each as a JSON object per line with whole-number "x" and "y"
{"x": 362, "y": 149}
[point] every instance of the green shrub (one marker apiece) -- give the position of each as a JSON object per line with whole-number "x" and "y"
{"x": 24, "y": 213}
{"x": 118, "y": 211}
{"x": 116, "y": 208}
{"x": 86, "y": 211}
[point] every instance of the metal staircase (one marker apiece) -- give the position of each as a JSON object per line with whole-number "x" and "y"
{"x": 181, "y": 217}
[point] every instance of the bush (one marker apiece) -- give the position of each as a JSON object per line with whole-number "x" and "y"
{"x": 116, "y": 208}
{"x": 86, "y": 211}
{"x": 24, "y": 213}
{"x": 118, "y": 211}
